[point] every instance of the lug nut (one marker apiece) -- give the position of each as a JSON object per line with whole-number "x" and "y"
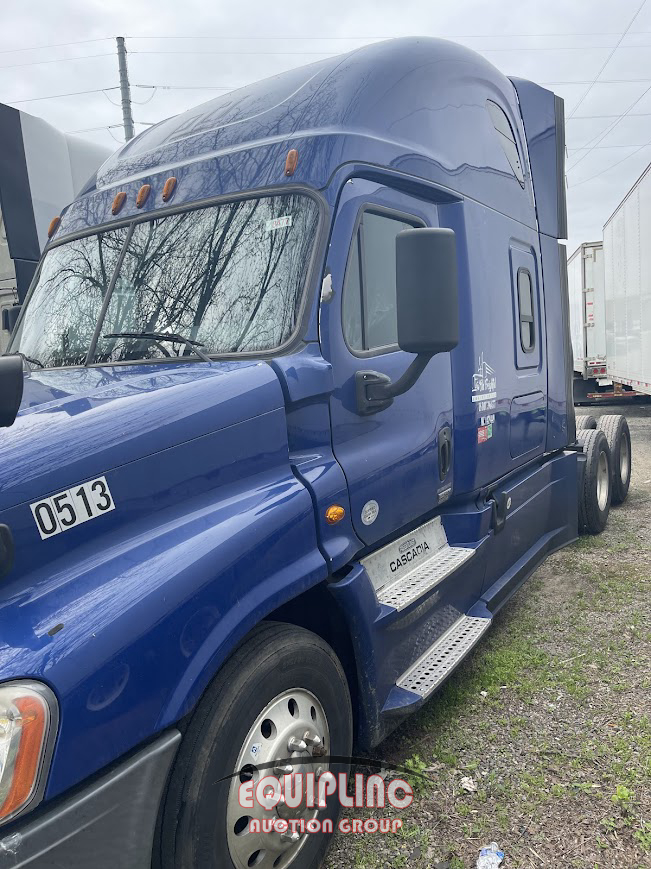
{"x": 319, "y": 750}
{"x": 312, "y": 740}
{"x": 290, "y": 836}
{"x": 296, "y": 745}
{"x": 283, "y": 769}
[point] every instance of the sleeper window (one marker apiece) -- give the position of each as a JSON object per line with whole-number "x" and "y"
{"x": 369, "y": 298}
{"x": 506, "y": 138}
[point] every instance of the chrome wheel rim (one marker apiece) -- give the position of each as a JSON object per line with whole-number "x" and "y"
{"x": 293, "y": 725}
{"x": 624, "y": 460}
{"x": 603, "y": 481}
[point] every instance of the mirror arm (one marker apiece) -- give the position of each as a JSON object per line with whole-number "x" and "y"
{"x": 376, "y": 392}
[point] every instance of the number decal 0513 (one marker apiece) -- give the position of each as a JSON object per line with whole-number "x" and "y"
{"x": 72, "y": 507}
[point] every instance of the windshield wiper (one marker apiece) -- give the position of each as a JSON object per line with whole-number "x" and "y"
{"x": 26, "y": 358}
{"x": 165, "y": 336}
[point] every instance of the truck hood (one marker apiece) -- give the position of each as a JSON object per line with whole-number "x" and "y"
{"x": 81, "y": 422}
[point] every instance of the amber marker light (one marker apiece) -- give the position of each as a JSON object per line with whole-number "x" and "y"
{"x": 143, "y": 195}
{"x": 118, "y": 202}
{"x": 334, "y": 514}
{"x": 291, "y": 162}
{"x": 28, "y": 715}
{"x": 169, "y": 188}
{"x": 54, "y": 225}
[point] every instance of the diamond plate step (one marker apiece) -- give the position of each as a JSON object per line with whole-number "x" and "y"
{"x": 441, "y": 658}
{"x": 407, "y": 589}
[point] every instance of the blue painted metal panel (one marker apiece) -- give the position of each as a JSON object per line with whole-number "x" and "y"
{"x": 209, "y": 534}
{"x": 414, "y": 105}
{"x": 390, "y": 457}
{"x": 543, "y": 122}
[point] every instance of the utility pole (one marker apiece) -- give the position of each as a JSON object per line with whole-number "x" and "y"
{"x": 125, "y": 90}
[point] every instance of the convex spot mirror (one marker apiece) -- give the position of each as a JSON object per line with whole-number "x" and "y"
{"x": 427, "y": 290}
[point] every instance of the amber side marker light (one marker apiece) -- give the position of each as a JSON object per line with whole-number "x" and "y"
{"x": 334, "y": 514}
{"x": 25, "y": 721}
{"x": 118, "y": 202}
{"x": 169, "y": 188}
{"x": 143, "y": 195}
{"x": 54, "y": 225}
{"x": 291, "y": 162}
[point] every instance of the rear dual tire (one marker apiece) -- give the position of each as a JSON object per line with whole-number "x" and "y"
{"x": 585, "y": 422}
{"x": 596, "y": 488}
{"x": 618, "y": 435}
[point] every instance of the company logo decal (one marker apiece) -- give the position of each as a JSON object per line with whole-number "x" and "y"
{"x": 484, "y": 396}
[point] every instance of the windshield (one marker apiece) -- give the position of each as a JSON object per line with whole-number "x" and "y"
{"x": 229, "y": 276}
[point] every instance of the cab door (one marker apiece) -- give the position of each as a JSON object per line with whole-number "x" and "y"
{"x": 397, "y": 461}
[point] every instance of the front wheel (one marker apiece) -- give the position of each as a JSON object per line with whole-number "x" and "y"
{"x": 283, "y": 695}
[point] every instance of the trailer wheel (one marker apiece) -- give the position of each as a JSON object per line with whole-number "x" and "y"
{"x": 585, "y": 422}
{"x": 595, "y": 493}
{"x": 282, "y": 696}
{"x": 615, "y": 427}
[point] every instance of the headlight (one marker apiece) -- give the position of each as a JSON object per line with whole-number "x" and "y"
{"x": 28, "y": 723}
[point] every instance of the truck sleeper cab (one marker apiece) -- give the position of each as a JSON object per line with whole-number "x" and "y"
{"x": 295, "y": 421}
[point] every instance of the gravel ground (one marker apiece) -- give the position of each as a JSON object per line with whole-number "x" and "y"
{"x": 549, "y": 717}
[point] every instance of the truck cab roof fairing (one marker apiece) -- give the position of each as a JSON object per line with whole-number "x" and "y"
{"x": 413, "y": 105}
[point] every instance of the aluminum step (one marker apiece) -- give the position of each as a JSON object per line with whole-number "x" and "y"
{"x": 421, "y": 579}
{"x": 440, "y": 659}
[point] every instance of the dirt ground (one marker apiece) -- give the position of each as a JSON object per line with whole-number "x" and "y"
{"x": 549, "y": 717}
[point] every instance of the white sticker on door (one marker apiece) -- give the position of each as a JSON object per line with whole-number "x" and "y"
{"x": 72, "y": 507}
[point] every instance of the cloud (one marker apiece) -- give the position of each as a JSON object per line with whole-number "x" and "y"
{"x": 564, "y": 43}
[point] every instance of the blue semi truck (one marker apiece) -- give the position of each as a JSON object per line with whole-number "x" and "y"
{"x": 287, "y": 419}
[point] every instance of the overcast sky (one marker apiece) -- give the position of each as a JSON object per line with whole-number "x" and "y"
{"x": 549, "y": 42}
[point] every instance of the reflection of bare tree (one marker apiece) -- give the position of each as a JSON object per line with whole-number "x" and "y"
{"x": 219, "y": 275}
{"x": 224, "y": 275}
{"x": 63, "y": 311}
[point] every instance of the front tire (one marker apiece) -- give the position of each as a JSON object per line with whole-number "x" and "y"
{"x": 595, "y": 493}
{"x": 281, "y": 684}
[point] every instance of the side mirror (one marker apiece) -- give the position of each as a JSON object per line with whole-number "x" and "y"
{"x": 10, "y": 317}
{"x": 427, "y": 290}
{"x": 11, "y": 388}
{"x": 427, "y": 298}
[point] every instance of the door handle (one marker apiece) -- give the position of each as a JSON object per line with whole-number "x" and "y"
{"x": 445, "y": 451}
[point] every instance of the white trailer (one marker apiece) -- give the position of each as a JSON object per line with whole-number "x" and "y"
{"x": 41, "y": 171}
{"x": 585, "y": 274}
{"x": 627, "y": 261}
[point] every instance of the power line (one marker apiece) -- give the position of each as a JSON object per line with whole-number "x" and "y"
{"x": 58, "y": 60}
{"x": 55, "y": 45}
{"x": 601, "y": 81}
{"x": 596, "y": 140}
{"x": 618, "y": 163}
{"x": 330, "y": 53}
{"x": 609, "y": 58}
{"x": 108, "y": 127}
{"x": 603, "y": 117}
{"x": 60, "y": 96}
{"x": 183, "y": 87}
{"x": 607, "y": 147}
{"x": 239, "y": 53}
{"x": 393, "y": 36}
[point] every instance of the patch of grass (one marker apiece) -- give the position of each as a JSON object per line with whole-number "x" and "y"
{"x": 418, "y": 781}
